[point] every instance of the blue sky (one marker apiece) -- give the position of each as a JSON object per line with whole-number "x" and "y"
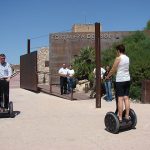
{"x": 23, "y": 19}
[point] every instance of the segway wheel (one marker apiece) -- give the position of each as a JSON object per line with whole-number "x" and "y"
{"x": 11, "y": 109}
{"x": 133, "y": 116}
{"x": 111, "y": 122}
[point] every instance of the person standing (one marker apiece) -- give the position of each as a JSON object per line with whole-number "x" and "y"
{"x": 70, "y": 78}
{"x": 108, "y": 85}
{"x": 121, "y": 65}
{"x": 5, "y": 75}
{"x": 63, "y": 79}
{"x": 94, "y": 83}
{"x": 103, "y": 91}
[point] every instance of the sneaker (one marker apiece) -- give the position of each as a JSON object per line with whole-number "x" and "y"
{"x": 108, "y": 100}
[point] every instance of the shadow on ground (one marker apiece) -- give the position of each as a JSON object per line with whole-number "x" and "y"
{"x": 7, "y": 115}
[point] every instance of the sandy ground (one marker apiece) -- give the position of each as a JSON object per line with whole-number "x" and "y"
{"x": 52, "y": 123}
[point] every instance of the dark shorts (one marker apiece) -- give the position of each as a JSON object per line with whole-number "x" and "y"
{"x": 123, "y": 88}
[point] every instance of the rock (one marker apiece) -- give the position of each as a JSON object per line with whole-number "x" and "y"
{"x": 83, "y": 86}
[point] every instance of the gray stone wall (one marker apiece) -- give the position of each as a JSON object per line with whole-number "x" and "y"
{"x": 43, "y": 71}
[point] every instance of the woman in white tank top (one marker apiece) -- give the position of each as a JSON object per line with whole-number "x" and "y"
{"x": 123, "y": 69}
{"x": 121, "y": 66}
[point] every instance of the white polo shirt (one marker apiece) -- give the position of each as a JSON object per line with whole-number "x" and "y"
{"x": 63, "y": 71}
{"x": 102, "y": 72}
{"x": 70, "y": 72}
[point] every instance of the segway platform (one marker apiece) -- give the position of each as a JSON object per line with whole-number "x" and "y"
{"x": 8, "y": 113}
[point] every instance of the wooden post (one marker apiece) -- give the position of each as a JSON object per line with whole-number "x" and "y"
{"x": 98, "y": 65}
{"x": 71, "y": 94}
{"x": 28, "y": 46}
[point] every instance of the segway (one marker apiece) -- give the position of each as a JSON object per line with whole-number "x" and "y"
{"x": 114, "y": 126}
{"x": 112, "y": 122}
{"x": 7, "y": 113}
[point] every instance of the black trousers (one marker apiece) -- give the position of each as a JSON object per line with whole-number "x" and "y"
{"x": 63, "y": 85}
{"x": 4, "y": 93}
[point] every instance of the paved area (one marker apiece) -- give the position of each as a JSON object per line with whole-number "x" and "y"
{"x": 15, "y": 81}
{"x": 52, "y": 123}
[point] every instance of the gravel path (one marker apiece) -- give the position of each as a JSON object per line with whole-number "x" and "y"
{"x": 50, "y": 123}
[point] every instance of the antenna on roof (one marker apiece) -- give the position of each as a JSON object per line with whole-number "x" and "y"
{"x": 84, "y": 15}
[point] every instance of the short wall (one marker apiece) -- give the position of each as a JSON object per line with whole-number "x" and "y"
{"x": 145, "y": 98}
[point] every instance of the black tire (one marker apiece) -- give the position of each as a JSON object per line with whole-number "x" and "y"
{"x": 11, "y": 109}
{"x": 133, "y": 116}
{"x": 112, "y": 122}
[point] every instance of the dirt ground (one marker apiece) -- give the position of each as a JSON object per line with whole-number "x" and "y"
{"x": 52, "y": 123}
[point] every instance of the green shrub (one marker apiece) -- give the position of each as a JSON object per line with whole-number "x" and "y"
{"x": 84, "y": 64}
{"x": 134, "y": 92}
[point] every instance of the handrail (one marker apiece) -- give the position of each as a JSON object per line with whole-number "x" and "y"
{"x": 15, "y": 73}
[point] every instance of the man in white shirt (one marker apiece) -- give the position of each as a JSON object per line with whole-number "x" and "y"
{"x": 63, "y": 79}
{"x": 5, "y": 74}
{"x": 70, "y": 78}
